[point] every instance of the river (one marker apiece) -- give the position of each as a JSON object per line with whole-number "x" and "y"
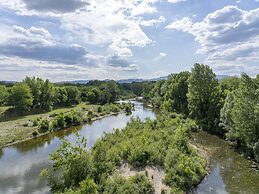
{"x": 20, "y": 164}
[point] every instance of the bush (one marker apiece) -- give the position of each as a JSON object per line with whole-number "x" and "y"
{"x": 72, "y": 164}
{"x": 36, "y": 122}
{"x": 128, "y": 108}
{"x": 99, "y": 109}
{"x": 59, "y": 121}
{"x": 34, "y": 133}
{"x": 45, "y": 125}
{"x": 138, "y": 184}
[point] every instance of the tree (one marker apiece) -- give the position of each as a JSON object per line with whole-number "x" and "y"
{"x": 245, "y": 115}
{"x": 226, "y": 121}
{"x": 47, "y": 95}
{"x": 204, "y": 97}
{"x": 20, "y": 97}
{"x": 42, "y": 92}
{"x": 92, "y": 96}
{"x": 60, "y": 96}
{"x": 3, "y": 95}
{"x": 176, "y": 89}
{"x": 73, "y": 95}
{"x": 72, "y": 164}
{"x": 35, "y": 85}
{"x": 157, "y": 93}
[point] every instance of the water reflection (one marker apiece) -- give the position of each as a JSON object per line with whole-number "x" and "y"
{"x": 21, "y": 164}
{"x": 230, "y": 172}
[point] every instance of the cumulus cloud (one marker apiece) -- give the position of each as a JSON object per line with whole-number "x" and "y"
{"x": 229, "y": 35}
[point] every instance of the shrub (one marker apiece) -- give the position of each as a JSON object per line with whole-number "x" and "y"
{"x": 128, "y": 108}
{"x": 34, "y": 133}
{"x": 45, "y": 125}
{"x": 99, "y": 109}
{"x": 59, "y": 121}
{"x": 138, "y": 184}
{"x": 72, "y": 164}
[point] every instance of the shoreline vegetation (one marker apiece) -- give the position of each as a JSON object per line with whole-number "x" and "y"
{"x": 159, "y": 147}
{"x": 33, "y": 126}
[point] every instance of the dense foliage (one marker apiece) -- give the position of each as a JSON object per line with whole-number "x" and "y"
{"x": 204, "y": 97}
{"x": 228, "y": 107}
{"x": 240, "y": 113}
{"x": 46, "y": 95}
{"x": 153, "y": 142}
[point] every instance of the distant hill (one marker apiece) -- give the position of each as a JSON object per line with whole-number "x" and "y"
{"x": 219, "y": 77}
{"x": 119, "y": 81}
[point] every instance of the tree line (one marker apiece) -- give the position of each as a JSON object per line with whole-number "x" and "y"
{"x": 228, "y": 107}
{"x": 38, "y": 94}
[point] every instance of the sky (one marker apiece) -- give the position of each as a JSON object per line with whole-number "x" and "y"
{"x": 121, "y": 39}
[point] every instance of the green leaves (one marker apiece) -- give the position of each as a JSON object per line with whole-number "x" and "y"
{"x": 71, "y": 165}
{"x": 204, "y": 97}
{"x": 20, "y": 97}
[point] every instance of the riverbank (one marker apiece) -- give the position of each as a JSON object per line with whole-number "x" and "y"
{"x": 23, "y": 128}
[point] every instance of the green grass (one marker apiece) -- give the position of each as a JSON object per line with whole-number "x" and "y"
{"x": 18, "y": 128}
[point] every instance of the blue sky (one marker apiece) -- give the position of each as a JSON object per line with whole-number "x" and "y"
{"x": 115, "y": 39}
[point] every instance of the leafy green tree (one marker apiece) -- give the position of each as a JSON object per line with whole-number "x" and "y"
{"x": 60, "y": 96}
{"x": 3, "y": 95}
{"x": 91, "y": 97}
{"x": 228, "y": 85}
{"x": 204, "y": 97}
{"x": 42, "y": 92}
{"x": 226, "y": 121}
{"x": 35, "y": 85}
{"x": 245, "y": 114}
{"x": 20, "y": 97}
{"x": 176, "y": 88}
{"x": 71, "y": 165}
{"x": 73, "y": 95}
{"x": 47, "y": 95}
{"x": 157, "y": 93}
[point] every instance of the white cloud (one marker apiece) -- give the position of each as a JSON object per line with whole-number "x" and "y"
{"x": 160, "y": 56}
{"x": 228, "y": 36}
{"x": 153, "y": 22}
{"x": 176, "y": 1}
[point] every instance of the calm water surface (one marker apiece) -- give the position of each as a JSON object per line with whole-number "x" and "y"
{"x": 21, "y": 164}
{"x": 229, "y": 171}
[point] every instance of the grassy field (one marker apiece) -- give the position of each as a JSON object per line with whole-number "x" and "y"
{"x": 18, "y": 128}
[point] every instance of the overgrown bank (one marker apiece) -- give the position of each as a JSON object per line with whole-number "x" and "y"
{"x": 30, "y": 126}
{"x": 162, "y": 142}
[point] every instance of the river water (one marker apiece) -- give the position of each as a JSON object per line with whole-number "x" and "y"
{"x": 21, "y": 163}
